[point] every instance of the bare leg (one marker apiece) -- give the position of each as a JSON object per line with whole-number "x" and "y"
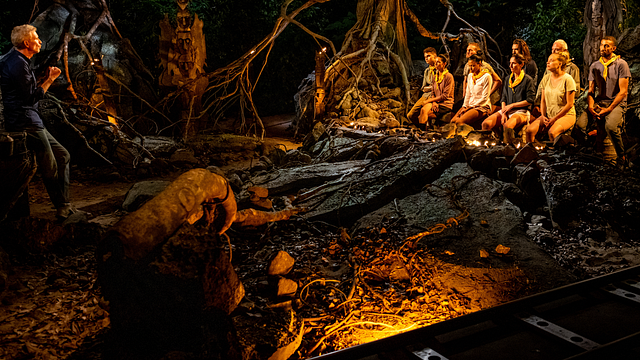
{"x": 469, "y": 117}
{"x": 423, "y": 118}
{"x": 492, "y": 121}
{"x": 532, "y": 130}
{"x": 516, "y": 120}
{"x": 561, "y": 125}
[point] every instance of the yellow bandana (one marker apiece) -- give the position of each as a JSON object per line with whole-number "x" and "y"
{"x": 476, "y": 77}
{"x": 441, "y": 77}
{"x": 434, "y": 72}
{"x": 515, "y": 83}
{"x": 606, "y": 64}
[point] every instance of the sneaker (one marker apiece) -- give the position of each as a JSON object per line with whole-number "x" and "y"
{"x": 65, "y": 211}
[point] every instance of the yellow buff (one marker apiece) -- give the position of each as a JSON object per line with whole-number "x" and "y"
{"x": 433, "y": 71}
{"x": 476, "y": 77}
{"x": 606, "y": 64}
{"x": 441, "y": 77}
{"x": 512, "y": 83}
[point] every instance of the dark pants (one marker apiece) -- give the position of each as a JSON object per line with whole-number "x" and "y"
{"x": 609, "y": 125}
{"x": 53, "y": 164}
{"x": 17, "y": 171}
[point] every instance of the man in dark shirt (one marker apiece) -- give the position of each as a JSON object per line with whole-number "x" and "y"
{"x": 609, "y": 79}
{"x": 20, "y": 95}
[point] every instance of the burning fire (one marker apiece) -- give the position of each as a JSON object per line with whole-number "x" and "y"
{"x": 478, "y": 143}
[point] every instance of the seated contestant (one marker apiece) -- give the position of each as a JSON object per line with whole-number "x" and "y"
{"x": 518, "y": 93}
{"x": 530, "y": 68}
{"x": 443, "y": 92}
{"x": 610, "y": 76}
{"x": 556, "y": 103}
{"x": 559, "y": 47}
{"x": 415, "y": 114}
{"x": 476, "y": 100}
{"x": 474, "y": 49}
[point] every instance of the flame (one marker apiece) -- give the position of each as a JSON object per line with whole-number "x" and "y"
{"x": 112, "y": 120}
{"x": 518, "y": 146}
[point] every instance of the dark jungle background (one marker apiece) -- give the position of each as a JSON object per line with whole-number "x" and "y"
{"x": 232, "y": 27}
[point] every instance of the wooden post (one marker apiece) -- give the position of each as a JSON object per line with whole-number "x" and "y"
{"x": 320, "y": 94}
{"x": 105, "y": 90}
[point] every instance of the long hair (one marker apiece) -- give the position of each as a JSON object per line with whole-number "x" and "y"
{"x": 524, "y": 49}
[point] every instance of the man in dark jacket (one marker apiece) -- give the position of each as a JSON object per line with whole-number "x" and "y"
{"x": 20, "y": 95}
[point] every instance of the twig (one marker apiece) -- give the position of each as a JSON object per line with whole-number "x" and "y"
{"x": 84, "y": 139}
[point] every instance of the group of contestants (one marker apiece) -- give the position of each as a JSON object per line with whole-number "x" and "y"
{"x": 548, "y": 109}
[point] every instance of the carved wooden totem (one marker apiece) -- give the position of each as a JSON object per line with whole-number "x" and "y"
{"x": 183, "y": 54}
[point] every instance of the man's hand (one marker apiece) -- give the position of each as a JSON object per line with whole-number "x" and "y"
{"x": 592, "y": 110}
{"x": 604, "y": 112}
{"x": 434, "y": 108}
{"x": 53, "y": 72}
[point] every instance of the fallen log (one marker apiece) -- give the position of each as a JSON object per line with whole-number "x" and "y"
{"x": 181, "y": 201}
{"x": 380, "y": 182}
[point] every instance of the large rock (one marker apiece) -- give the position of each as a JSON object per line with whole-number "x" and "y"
{"x": 493, "y": 220}
{"x": 599, "y": 195}
{"x": 339, "y": 149}
{"x": 118, "y": 58}
{"x": 281, "y": 264}
{"x": 316, "y": 134}
{"x": 293, "y": 179}
{"x": 158, "y": 145}
{"x": 403, "y": 174}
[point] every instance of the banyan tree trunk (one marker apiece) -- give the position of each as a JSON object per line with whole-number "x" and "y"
{"x": 389, "y": 15}
{"x": 602, "y": 18}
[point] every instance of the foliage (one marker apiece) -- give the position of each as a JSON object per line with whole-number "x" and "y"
{"x": 502, "y": 19}
{"x": 14, "y": 13}
{"x": 632, "y": 14}
{"x": 561, "y": 19}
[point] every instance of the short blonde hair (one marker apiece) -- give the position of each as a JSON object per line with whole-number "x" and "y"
{"x": 21, "y": 33}
{"x": 565, "y": 47}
